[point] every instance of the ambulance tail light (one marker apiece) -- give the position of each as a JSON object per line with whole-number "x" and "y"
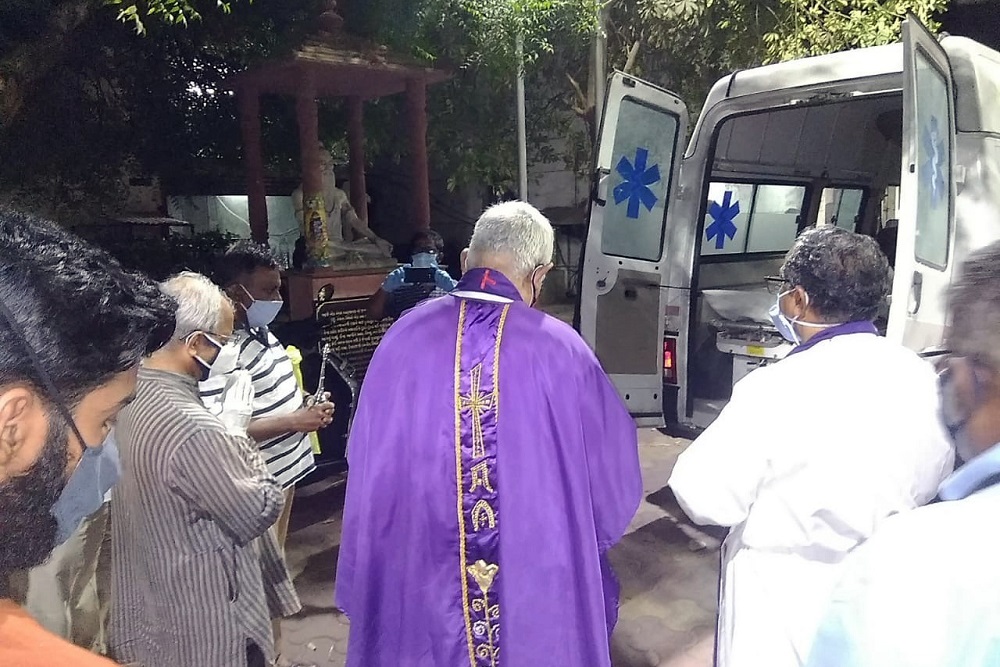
{"x": 670, "y": 361}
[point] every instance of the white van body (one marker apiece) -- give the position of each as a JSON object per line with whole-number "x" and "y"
{"x": 673, "y": 296}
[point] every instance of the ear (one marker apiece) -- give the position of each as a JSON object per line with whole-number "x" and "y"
{"x": 23, "y": 429}
{"x": 465, "y": 259}
{"x": 541, "y": 272}
{"x": 800, "y": 303}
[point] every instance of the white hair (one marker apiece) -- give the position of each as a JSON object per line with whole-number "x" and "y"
{"x": 200, "y": 302}
{"x": 516, "y": 230}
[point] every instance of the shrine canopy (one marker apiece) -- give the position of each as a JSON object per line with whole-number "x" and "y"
{"x": 334, "y": 72}
{"x": 335, "y": 65}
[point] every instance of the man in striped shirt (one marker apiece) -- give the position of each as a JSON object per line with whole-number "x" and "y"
{"x": 280, "y": 423}
{"x": 196, "y": 569}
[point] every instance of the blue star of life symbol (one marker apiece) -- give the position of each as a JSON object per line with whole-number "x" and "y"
{"x": 933, "y": 167}
{"x": 635, "y": 186}
{"x": 722, "y": 220}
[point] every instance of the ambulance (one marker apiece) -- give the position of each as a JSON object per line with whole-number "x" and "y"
{"x": 900, "y": 142}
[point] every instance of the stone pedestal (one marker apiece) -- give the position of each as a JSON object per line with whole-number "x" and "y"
{"x": 347, "y": 284}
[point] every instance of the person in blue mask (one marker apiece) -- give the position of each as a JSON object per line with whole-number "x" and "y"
{"x": 922, "y": 592}
{"x": 404, "y": 288}
{"x": 73, "y": 328}
{"x": 64, "y": 593}
{"x": 281, "y": 421}
{"x": 812, "y": 453}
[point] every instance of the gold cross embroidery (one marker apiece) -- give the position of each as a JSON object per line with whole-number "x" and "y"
{"x": 478, "y": 404}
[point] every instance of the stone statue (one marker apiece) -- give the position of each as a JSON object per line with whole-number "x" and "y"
{"x": 349, "y": 239}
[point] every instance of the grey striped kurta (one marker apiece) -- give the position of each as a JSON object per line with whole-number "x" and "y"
{"x": 194, "y": 561}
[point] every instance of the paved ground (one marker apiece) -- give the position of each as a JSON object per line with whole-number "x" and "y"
{"x": 668, "y": 571}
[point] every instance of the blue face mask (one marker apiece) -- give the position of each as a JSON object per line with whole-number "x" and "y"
{"x": 261, "y": 313}
{"x": 782, "y": 323}
{"x": 96, "y": 473}
{"x": 786, "y": 325}
{"x": 423, "y": 260}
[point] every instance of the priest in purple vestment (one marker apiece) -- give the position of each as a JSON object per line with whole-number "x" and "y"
{"x": 492, "y": 466}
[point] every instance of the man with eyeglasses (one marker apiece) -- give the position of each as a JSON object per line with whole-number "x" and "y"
{"x": 812, "y": 453}
{"x": 194, "y": 561}
{"x": 922, "y": 592}
{"x": 282, "y": 419}
{"x": 73, "y": 328}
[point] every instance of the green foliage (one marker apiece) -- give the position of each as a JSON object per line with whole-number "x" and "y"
{"x": 471, "y": 133}
{"x": 812, "y": 28}
{"x": 112, "y": 104}
{"x": 84, "y": 100}
{"x": 170, "y": 12}
{"x": 686, "y": 45}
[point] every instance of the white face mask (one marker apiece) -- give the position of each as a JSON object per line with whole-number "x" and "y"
{"x": 227, "y": 361}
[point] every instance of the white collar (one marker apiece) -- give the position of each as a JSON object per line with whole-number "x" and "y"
{"x": 481, "y": 296}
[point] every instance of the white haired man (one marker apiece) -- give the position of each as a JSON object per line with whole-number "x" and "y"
{"x": 192, "y": 579}
{"x": 492, "y": 467}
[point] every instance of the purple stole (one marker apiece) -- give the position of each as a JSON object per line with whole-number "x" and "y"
{"x": 840, "y": 330}
{"x": 477, "y": 409}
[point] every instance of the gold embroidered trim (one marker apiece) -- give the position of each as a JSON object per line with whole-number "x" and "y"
{"x": 478, "y": 404}
{"x": 461, "y": 485}
{"x": 483, "y": 573}
{"x": 481, "y": 477}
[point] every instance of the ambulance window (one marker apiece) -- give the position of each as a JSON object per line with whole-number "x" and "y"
{"x": 842, "y": 207}
{"x": 775, "y": 220}
{"x": 744, "y": 218}
{"x": 725, "y": 230}
{"x": 933, "y": 164}
{"x": 641, "y": 169}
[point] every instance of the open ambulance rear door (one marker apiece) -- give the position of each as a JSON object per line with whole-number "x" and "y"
{"x": 622, "y": 296}
{"x": 924, "y": 251}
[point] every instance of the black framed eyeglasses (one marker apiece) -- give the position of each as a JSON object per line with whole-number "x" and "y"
{"x": 53, "y": 393}
{"x": 777, "y": 285}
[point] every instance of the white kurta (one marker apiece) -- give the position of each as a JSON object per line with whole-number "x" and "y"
{"x": 808, "y": 458}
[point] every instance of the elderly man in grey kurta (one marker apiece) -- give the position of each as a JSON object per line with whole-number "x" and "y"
{"x": 195, "y": 564}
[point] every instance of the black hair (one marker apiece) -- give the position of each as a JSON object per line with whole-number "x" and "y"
{"x": 845, "y": 274}
{"x": 241, "y": 259}
{"x": 974, "y": 302}
{"x": 84, "y": 317}
{"x": 428, "y": 235}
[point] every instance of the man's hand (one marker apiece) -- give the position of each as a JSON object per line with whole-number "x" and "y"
{"x": 313, "y": 418}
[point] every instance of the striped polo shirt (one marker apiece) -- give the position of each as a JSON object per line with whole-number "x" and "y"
{"x": 289, "y": 457}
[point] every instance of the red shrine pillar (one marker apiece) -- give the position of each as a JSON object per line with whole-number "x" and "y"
{"x": 356, "y": 145}
{"x": 313, "y": 206}
{"x": 416, "y": 107}
{"x": 249, "y": 100}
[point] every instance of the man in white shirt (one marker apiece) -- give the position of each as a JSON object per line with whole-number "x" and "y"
{"x": 922, "y": 592}
{"x": 812, "y": 453}
{"x": 281, "y": 423}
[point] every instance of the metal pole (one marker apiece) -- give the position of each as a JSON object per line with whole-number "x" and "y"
{"x": 522, "y": 132}
{"x": 600, "y": 70}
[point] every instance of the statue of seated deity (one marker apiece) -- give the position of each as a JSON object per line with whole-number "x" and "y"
{"x": 351, "y": 241}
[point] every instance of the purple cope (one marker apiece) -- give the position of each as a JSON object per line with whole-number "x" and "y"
{"x": 492, "y": 466}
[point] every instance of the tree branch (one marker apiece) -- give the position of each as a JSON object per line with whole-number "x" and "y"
{"x": 633, "y": 53}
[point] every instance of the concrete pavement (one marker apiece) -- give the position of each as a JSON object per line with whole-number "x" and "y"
{"x": 668, "y": 571}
